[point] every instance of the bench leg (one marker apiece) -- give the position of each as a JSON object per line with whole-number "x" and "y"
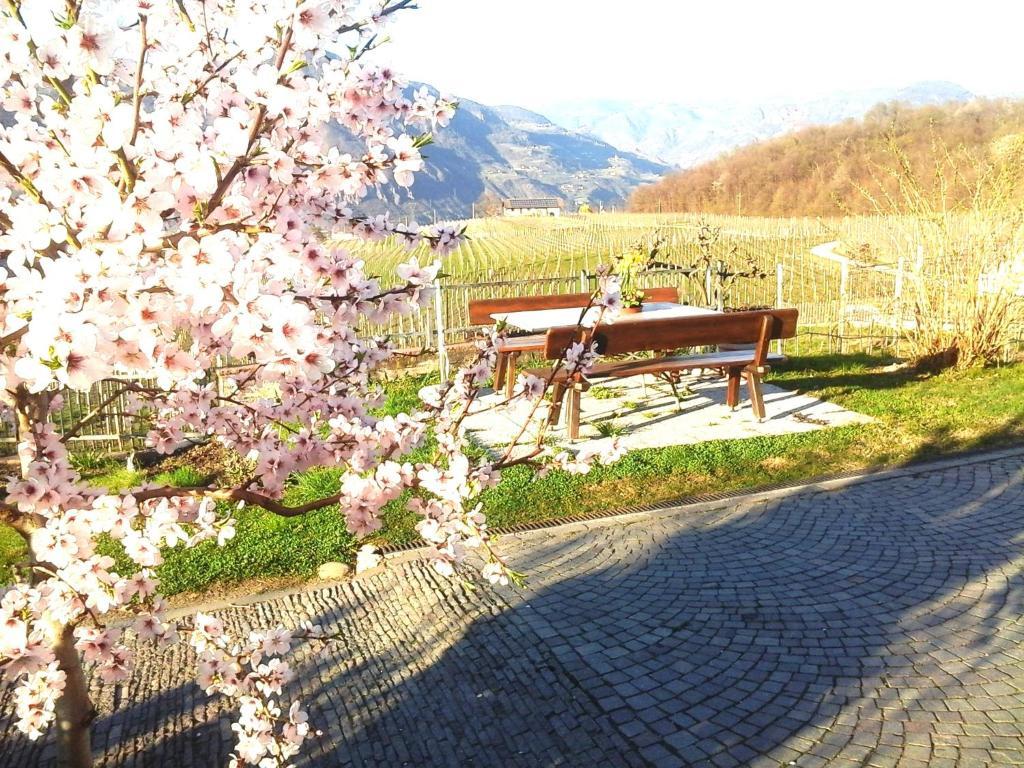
{"x": 510, "y": 374}
{"x": 574, "y": 413}
{"x": 756, "y": 397}
{"x": 500, "y": 369}
{"x": 732, "y": 391}
{"x": 557, "y": 394}
{"x": 671, "y": 378}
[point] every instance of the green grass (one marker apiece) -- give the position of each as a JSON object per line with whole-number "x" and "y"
{"x": 918, "y": 417}
{"x": 265, "y": 545}
{"x": 605, "y": 392}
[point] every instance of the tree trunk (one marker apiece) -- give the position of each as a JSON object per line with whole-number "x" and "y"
{"x": 75, "y": 711}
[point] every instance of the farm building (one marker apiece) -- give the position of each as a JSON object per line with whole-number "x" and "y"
{"x": 532, "y": 206}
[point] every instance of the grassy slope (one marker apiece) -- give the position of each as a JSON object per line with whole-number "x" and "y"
{"x": 918, "y": 417}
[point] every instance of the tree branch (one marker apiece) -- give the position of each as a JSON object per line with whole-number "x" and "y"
{"x": 236, "y": 494}
{"x": 13, "y": 336}
{"x": 398, "y": 5}
{"x": 137, "y": 97}
{"x": 257, "y": 126}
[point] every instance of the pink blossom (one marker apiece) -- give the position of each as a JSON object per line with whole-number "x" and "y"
{"x": 530, "y": 386}
{"x": 413, "y": 273}
{"x": 141, "y": 254}
{"x": 495, "y": 574}
{"x": 367, "y": 558}
{"x": 91, "y": 46}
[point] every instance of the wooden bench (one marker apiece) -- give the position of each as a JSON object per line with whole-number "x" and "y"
{"x": 510, "y": 348}
{"x": 735, "y": 328}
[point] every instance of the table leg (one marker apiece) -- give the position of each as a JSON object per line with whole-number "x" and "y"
{"x": 732, "y": 392}
{"x": 510, "y": 374}
{"x": 574, "y": 413}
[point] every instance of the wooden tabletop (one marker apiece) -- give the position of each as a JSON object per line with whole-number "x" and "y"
{"x": 542, "y": 319}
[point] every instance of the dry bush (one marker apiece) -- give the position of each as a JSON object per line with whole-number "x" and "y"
{"x": 961, "y": 232}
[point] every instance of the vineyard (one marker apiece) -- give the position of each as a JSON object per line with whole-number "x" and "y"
{"x": 846, "y": 304}
{"x": 507, "y": 249}
{"x": 504, "y": 249}
{"x": 850, "y": 301}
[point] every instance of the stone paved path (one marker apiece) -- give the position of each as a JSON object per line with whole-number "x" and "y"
{"x": 877, "y": 624}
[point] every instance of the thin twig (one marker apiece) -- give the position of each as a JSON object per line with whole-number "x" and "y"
{"x": 137, "y": 97}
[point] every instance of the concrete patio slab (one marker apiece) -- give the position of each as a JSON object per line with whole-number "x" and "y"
{"x": 644, "y": 413}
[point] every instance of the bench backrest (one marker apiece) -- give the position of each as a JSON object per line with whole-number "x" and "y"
{"x": 480, "y": 310}
{"x": 757, "y": 327}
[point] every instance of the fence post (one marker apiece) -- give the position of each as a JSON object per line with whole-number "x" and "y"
{"x": 720, "y": 285}
{"x": 442, "y": 351}
{"x": 844, "y": 283}
{"x": 898, "y": 291}
{"x": 778, "y": 298}
{"x": 584, "y": 282}
{"x": 120, "y": 424}
{"x": 708, "y": 288}
{"x": 426, "y": 332}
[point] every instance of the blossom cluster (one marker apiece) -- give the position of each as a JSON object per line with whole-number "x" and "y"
{"x": 178, "y": 183}
{"x": 173, "y": 194}
{"x": 250, "y": 671}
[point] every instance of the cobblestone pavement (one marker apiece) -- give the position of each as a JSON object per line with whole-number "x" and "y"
{"x": 877, "y": 624}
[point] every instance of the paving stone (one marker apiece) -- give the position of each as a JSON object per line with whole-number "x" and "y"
{"x": 877, "y": 624}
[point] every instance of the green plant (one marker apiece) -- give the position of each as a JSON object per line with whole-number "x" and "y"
{"x": 182, "y": 477}
{"x": 609, "y": 428}
{"x": 960, "y": 238}
{"x": 90, "y": 461}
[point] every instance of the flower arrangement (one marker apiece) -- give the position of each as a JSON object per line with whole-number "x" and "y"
{"x": 627, "y": 267}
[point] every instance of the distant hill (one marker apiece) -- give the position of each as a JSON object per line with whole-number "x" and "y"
{"x": 817, "y": 171}
{"x": 686, "y": 134}
{"x": 509, "y": 151}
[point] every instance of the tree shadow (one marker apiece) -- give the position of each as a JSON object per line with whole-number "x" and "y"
{"x": 944, "y": 441}
{"x": 820, "y": 627}
{"x": 851, "y": 381}
{"x": 853, "y": 625}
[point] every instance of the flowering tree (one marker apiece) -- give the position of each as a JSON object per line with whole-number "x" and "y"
{"x": 168, "y": 198}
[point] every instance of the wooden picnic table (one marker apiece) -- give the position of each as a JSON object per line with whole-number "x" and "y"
{"x": 742, "y": 339}
{"x": 542, "y": 319}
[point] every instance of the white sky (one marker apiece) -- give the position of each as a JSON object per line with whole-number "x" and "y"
{"x": 535, "y": 52}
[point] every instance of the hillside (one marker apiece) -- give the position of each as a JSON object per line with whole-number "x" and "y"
{"x": 684, "y": 134}
{"x": 817, "y": 171}
{"x": 512, "y": 152}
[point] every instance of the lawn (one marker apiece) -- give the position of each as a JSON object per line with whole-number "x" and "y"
{"x": 918, "y": 417}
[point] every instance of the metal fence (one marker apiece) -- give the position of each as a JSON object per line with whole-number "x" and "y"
{"x": 111, "y": 430}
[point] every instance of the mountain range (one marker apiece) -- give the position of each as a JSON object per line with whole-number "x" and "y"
{"x": 683, "y": 135}
{"x": 599, "y": 151}
{"x": 509, "y": 151}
